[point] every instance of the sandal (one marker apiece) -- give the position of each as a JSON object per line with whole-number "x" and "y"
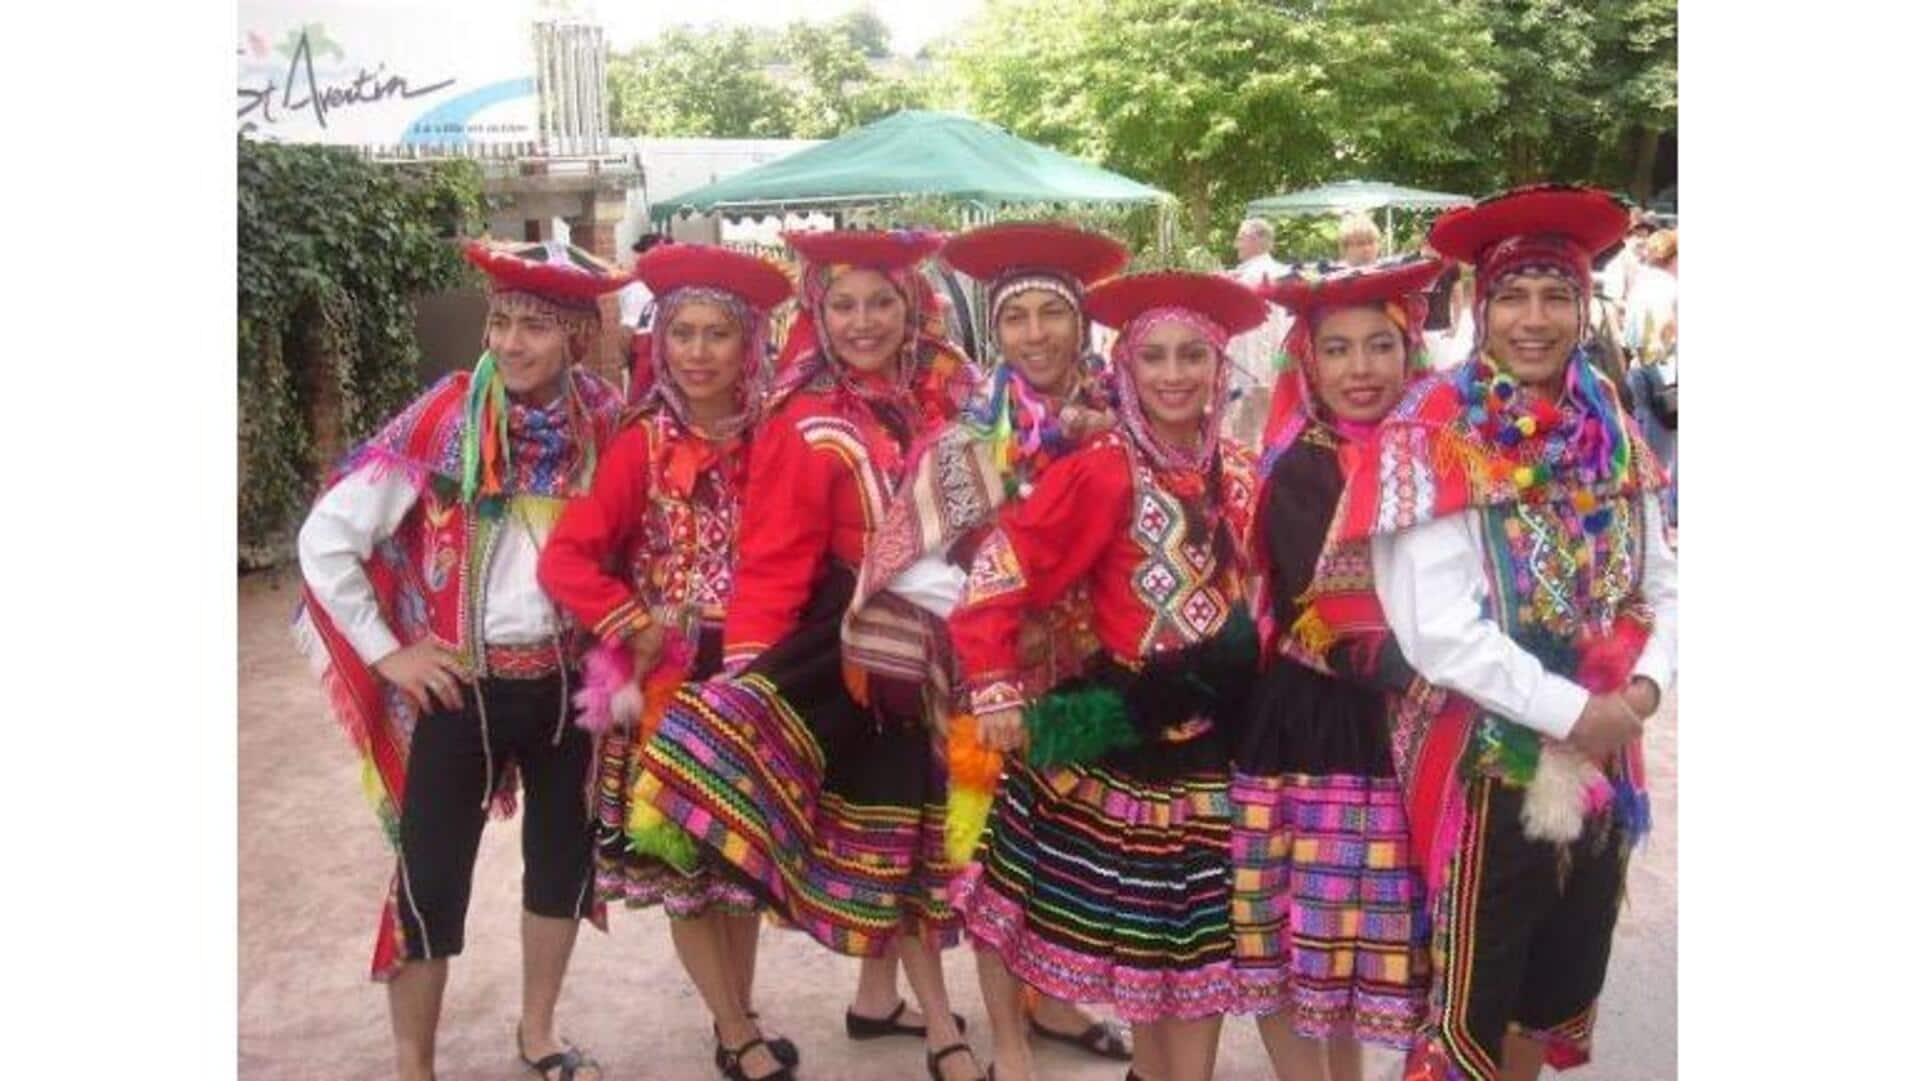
{"x": 729, "y": 1063}
{"x": 1102, "y": 1038}
{"x": 783, "y": 1049}
{"x": 934, "y": 1058}
{"x": 569, "y": 1061}
{"x": 861, "y": 1027}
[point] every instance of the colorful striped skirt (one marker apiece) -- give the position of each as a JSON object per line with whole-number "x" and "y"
{"x": 1109, "y": 883}
{"x": 635, "y": 879}
{"x": 831, "y": 814}
{"x": 1327, "y": 917}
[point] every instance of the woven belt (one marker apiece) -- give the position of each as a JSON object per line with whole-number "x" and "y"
{"x": 533, "y": 661}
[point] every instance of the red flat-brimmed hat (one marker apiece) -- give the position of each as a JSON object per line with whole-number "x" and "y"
{"x": 759, "y": 283}
{"x": 992, "y": 252}
{"x": 535, "y": 269}
{"x": 1302, "y": 292}
{"x": 1592, "y": 219}
{"x": 1228, "y": 303}
{"x": 897, "y": 249}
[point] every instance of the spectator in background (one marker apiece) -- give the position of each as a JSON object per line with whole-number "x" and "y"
{"x": 1621, "y": 266}
{"x": 636, "y": 300}
{"x": 1653, "y": 333}
{"x": 1252, "y": 355}
{"x": 1254, "y": 244}
{"x": 1443, "y": 309}
{"x": 1359, "y": 240}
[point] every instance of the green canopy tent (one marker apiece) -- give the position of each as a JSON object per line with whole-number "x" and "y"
{"x": 916, "y": 154}
{"x": 1347, "y": 196}
{"x": 912, "y": 154}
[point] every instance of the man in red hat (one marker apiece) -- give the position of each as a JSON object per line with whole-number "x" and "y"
{"x": 442, "y": 658}
{"x": 1512, "y": 513}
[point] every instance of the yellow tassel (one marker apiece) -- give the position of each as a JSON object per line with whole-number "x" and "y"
{"x": 1451, "y": 451}
{"x": 370, "y": 782}
{"x": 539, "y": 512}
{"x": 1312, "y": 632}
{"x": 966, "y": 820}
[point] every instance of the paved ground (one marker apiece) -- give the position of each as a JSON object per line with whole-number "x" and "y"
{"x": 312, "y": 868}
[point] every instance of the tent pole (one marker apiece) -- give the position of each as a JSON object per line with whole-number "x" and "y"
{"x": 1389, "y": 250}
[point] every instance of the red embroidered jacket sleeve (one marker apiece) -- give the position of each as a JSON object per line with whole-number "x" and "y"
{"x": 585, "y": 565}
{"x": 1042, "y": 546}
{"x": 786, "y": 524}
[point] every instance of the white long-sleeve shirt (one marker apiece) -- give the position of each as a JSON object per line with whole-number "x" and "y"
{"x": 931, "y": 584}
{"x": 363, "y": 510}
{"x": 1433, "y": 588}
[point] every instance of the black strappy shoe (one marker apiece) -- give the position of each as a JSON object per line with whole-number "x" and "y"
{"x": 569, "y": 1060}
{"x": 729, "y": 1063}
{"x": 783, "y": 1049}
{"x": 934, "y": 1058}
{"x": 862, "y": 1027}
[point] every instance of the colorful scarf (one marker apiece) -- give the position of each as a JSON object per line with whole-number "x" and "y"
{"x": 511, "y": 449}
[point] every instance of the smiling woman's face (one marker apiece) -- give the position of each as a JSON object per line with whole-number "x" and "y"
{"x": 1174, "y": 368}
{"x": 866, "y": 320}
{"x": 705, "y": 352}
{"x": 1360, "y": 363}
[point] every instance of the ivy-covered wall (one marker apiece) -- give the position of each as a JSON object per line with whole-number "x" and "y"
{"x": 332, "y": 251}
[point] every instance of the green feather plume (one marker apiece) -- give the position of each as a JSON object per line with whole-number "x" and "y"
{"x": 1080, "y": 725}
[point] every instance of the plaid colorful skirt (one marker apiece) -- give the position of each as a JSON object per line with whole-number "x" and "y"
{"x": 1327, "y": 904}
{"x": 1109, "y": 883}
{"x": 831, "y": 814}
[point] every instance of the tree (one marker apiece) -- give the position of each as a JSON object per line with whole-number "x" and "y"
{"x": 810, "y": 80}
{"x": 840, "y": 88}
{"x": 867, "y": 32}
{"x": 1221, "y": 101}
{"x": 1637, "y": 69}
{"x": 707, "y": 82}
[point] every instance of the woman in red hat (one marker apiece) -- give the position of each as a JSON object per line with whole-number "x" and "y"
{"x": 1104, "y": 873}
{"x": 1044, "y": 398}
{"x": 440, "y": 654}
{"x": 645, "y": 560}
{"x": 1325, "y": 896}
{"x": 828, "y": 802}
{"x": 1507, "y": 519}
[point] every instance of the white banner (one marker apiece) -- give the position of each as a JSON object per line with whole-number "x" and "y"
{"x": 344, "y": 73}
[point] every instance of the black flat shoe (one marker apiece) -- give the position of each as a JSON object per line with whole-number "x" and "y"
{"x": 934, "y": 1058}
{"x": 860, "y": 1027}
{"x": 1102, "y": 1038}
{"x": 729, "y": 1063}
{"x": 783, "y": 1049}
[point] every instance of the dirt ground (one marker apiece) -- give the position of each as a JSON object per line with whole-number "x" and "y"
{"x": 313, "y": 868}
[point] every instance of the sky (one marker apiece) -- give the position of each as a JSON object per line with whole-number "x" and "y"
{"x": 913, "y": 23}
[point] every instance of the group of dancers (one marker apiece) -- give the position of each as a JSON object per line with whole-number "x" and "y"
{"x": 853, "y": 634}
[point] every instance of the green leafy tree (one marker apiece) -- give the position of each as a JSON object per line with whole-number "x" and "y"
{"x": 698, "y": 82}
{"x": 839, "y": 85}
{"x": 1221, "y": 101}
{"x": 1637, "y": 71}
{"x": 1588, "y": 90}
{"x": 867, "y": 32}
